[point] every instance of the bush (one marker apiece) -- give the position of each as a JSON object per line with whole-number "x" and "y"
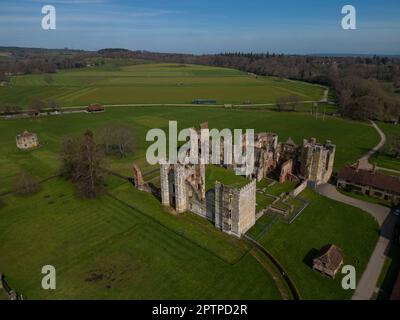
{"x": 26, "y": 184}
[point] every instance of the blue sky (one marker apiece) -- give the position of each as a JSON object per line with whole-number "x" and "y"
{"x": 205, "y": 26}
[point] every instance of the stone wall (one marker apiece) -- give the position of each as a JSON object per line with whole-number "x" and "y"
{"x": 300, "y": 188}
{"x": 183, "y": 187}
{"x": 317, "y": 161}
{"x": 235, "y": 208}
{"x": 247, "y": 203}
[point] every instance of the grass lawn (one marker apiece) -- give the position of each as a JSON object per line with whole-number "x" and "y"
{"x": 122, "y": 246}
{"x": 279, "y": 188}
{"x": 323, "y": 222}
{"x": 265, "y": 222}
{"x": 264, "y": 183}
{"x": 381, "y": 158}
{"x": 225, "y": 176}
{"x": 263, "y": 201}
{"x": 116, "y": 83}
{"x": 390, "y": 173}
{"x": 43, "y": 161}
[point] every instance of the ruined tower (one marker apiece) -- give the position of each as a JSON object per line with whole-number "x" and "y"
{"x": 317, "y": 161}
{"x": 183, "y": 187}
{"x": 235, "y": 208}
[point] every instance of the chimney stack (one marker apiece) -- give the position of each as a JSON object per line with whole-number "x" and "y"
{"x": 358, "y": 165}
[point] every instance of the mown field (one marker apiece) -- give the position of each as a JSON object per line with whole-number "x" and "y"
{"x": 122, "y": 246}
{"x": 116, "y": 83}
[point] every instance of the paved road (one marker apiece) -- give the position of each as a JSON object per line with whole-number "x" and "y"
{"x": 364, "y": 161}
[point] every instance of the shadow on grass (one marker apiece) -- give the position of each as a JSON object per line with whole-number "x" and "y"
{"x": 310, "y": 256}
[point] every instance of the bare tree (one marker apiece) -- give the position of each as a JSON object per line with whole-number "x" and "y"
{"x": 54, "y": 106}
{"x": 116, "y": 139}
{"x": 26, "y": 184}
{"x": 69, "y": 155}
{"x": 281, "y": 103}
{"x": 293, "y": 101}
{"x": 37, "y": 105}
{"x": 81, "y": 163}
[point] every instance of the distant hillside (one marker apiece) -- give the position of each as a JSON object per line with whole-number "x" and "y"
{"x": 31, "y": 52}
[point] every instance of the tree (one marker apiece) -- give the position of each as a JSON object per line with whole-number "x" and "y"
{"x": 26, "y": 184}
{"x": 81, "y": 163}
{"x": 69, "y": 155}
{"x": 116, "y": 139}
{"x": 392, "y": 146}
{"x": 37, "y": 105}
{"x": 281, "y": 103}
{"x": 293, "y": 101}
{"x": 53, "y": 106}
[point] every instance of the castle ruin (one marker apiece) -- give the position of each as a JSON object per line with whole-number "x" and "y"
{"x": 183, "y": 187}
{"x": 233, "y": 209}
{"x": 316, "y": 164}
{"x": 27, "y": 140}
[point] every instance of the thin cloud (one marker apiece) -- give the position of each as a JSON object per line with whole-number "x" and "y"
{"x": 70, "y": 1}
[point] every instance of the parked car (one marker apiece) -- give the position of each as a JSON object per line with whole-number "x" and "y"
{"x": 396, "y": 211}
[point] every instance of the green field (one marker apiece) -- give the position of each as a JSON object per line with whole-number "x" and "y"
{"x": 43, "y": 162}
{"x": 323, "y": 222}
{"x": 106, "y": 249}
{"x": 114, "y": 83}
{"x": 381, "y": 158}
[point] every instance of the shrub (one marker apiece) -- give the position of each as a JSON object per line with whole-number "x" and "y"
{"x": 26, "y": 184}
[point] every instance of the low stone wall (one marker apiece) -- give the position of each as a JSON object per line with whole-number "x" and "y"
{"x": 300, "y": 188}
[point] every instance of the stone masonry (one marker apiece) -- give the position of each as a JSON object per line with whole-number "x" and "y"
{"x": 235, "y": 208}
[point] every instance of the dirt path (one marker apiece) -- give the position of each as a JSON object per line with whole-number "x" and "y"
{"x": 364, "y": 160}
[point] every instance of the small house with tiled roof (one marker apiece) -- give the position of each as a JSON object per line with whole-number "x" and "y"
{"x": 329, "y": 261}
{"x": 95, "y": 108}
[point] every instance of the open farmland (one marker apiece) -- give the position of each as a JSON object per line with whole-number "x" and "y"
{"x": 116, "y": 83}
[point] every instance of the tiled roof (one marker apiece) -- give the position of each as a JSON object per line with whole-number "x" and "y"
{"x": 331, "y": 257}
{"x": 95, "y": 107}
{"x": 368, "y": 178}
